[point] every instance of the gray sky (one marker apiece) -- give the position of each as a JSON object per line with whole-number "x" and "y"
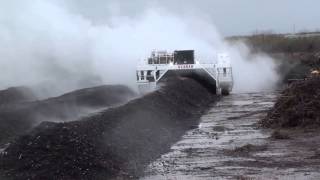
{"x": 232, "y": 17}
{"x": 70, "y": 41}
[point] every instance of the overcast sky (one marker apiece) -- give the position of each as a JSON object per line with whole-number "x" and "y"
{"x": 231, "y": 17}
{"x": 103, "y": 40}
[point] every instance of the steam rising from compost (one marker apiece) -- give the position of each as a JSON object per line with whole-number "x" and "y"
{"x": 45, "y": 42}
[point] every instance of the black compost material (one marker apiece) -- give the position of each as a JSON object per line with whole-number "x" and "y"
{"x": 18, "y": 118}
{"x": 297, "y": 106}
{"x": 16, "y": 95}
{"x": 118, "y": 142}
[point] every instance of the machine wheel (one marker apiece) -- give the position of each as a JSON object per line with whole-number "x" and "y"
{"x": 225, "y": 92}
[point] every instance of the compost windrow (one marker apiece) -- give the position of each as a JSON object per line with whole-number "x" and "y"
{"x": 297, "y": 106}
{"x": 118, "y": 142}
{"x": 20, "y": 114}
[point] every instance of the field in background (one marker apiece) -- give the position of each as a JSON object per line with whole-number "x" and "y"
{"x": 296, "y": 54}
{"x": 281, "y": 43}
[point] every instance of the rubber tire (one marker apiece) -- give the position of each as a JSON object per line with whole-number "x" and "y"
{"x": 225, "y": 92}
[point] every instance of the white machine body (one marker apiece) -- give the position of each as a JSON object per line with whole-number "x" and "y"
{"x": 151, "y": 71}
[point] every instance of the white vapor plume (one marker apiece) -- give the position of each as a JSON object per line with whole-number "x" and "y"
{"x": 252, "y": 72}
{"x": 45, "y": 42}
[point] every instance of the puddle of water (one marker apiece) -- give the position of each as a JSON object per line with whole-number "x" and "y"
{"x": 241, "y": 103}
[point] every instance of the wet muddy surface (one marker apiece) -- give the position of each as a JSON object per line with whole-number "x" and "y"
{"x": 229, "y": 145}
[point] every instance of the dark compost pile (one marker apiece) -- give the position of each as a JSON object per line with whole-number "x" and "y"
{"x": 297, "y": 106}
{"x": 17, "y": 118}
{"x": 16, "y": 95}
{"x": 118, "y": 142}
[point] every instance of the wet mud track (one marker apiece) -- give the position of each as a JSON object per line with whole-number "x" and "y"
{"x": 229, "y": 145}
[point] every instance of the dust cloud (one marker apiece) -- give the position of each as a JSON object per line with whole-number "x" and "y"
{"x": 47, "y": 44}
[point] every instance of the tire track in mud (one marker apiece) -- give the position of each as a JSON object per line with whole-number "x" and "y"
{"x": 229, "y": 145}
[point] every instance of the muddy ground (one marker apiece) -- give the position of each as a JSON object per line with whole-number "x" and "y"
{"x": 229, "y": 144}
{"x": 118, "y": 142}
{"x": 265, "y": 135}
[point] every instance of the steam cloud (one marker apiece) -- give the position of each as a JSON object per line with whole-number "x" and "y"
{"x": 46, "y": 42}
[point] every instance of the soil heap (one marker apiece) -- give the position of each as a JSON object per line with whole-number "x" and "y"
{"x": 16, "y": 95}
{"x": 297, "y": 106}
{"x": 118, "y": 142}
{"x": 19, "y": 117}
